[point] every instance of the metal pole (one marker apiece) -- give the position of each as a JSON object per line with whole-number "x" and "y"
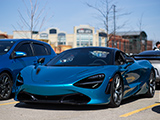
{"x": 114, "y": 19}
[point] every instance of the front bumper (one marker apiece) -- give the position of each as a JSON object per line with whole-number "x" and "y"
{"x": 77, "y": 98}
{"x": 66, "y": 94}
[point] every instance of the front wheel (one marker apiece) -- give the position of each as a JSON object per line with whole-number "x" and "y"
{"x": 116, "y": 91}
{"x": 151, "y": 85}
{"x": 5, "y": 86}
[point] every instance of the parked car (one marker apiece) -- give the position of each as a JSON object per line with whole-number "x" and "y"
{"x": 154, "y": 58}
{"x": 16, "y": 54}
{"x": 88, "y": 75}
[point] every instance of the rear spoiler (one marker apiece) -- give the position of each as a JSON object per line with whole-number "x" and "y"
{"x": 147, "y": 57}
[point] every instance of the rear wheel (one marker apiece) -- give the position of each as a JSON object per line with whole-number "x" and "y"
{"x": 151, "y": 85}
{"x": 5, "y": 86}
{"x": 116, "y": 91}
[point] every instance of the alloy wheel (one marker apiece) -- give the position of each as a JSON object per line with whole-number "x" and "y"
{"x": 152, "y": 84}
{"x": 117, "y": 90}
{"x": 5, "y": 86}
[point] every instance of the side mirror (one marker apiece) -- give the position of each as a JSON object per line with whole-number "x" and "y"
{"x": 19, "y": 54}
{"x": 129, "y": 60}
{"x": 41, "y": 61}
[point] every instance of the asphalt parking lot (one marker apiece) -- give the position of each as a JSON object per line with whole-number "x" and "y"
{"x": 134, "y": 108}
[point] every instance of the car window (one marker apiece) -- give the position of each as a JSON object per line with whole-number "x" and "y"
{"x": 82, "y": 57}
{"x": 48, "y": 48}
{"x": 5, "y": 46}
{"x": 25, "y": 48}
{"x": 119, "y": 58}
{"x": 39, "y": 49}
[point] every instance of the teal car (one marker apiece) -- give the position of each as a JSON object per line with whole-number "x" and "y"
{"x": 87, "y": 75}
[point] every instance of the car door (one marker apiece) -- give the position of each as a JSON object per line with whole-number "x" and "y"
{"x": 19, "y": 63}
{"x": 42, "y": 51}
{"x": 132, "y": 73}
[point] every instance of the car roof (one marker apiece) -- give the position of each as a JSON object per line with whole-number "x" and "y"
{"x": 107, "y": 48}
{"x": 150, "y": 52}
{"x": 19, "y": 40}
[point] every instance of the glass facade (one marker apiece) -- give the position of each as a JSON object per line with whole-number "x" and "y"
{"x": 102, "y": 39}
{"x": 84, "y": 37}
{"x": 61, "y": 39}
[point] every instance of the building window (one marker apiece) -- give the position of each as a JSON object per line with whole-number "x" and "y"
{"x": 119, "y": 44}
{"x": 116, "y": 44}
{"x": 106, "y": 41}
{"x": 102, "y": 35}
{"x": 112, "y": 43}
{"x": 124, "y": 46}
{"x": 43, "y": 36}
{"x": 53, "y": 31}
{"x": 84, "y": 40}
{"x": 34, "y": 32}
{"x": 61, "y": 39}
{"x": 100, "y": 41}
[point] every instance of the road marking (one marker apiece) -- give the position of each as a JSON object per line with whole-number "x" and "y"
{"x": 136, "y": 111}
{"x": 8, "y": 103}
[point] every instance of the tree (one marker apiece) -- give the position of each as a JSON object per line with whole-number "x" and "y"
{"x": 140, "y": 23}
{"x": 143, "y": 41}
{"x": 34, "y": 17}
{"x": 107, "y": 14}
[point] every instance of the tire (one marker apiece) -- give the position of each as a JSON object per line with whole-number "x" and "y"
{"x": 5, "y": 86}
{"x": 116, "y": 91}
{"x": 151, "y": 85}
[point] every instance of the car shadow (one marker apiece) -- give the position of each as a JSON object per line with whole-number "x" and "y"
{"x": 132, "y": 99}
{"x": 158, "y": 87}
{"x": 156, "y": 109}
{"x": 46, "y": 106}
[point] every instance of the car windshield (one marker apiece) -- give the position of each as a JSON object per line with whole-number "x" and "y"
{"x": 82, "y": 57}
{"x": 5, "y": 46}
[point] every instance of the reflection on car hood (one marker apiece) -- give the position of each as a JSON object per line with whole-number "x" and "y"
{"x": 62, "y": 75}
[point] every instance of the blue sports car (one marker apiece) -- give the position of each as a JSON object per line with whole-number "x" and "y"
{"x": 88, "y": 75}
{"x": 15, "y": 54}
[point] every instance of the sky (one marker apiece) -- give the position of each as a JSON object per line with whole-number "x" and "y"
{"x": 69, "y": 13}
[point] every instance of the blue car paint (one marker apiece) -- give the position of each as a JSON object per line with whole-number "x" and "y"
{"x": 58, "y": 80}
{"x": 153, "y": 56}
{"x": 63, "y": 86}
{"x": 13, "y": 66}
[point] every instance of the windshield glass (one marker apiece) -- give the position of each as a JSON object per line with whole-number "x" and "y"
{"x": 5, "y": 46}
{"x": 82, "y": 57}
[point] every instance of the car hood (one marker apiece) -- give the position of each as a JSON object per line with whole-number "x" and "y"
{"x": 4, "y": 59}
{"x": 62, "y": 75}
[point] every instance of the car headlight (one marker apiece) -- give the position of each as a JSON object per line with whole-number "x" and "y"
{"x": 91, "y": 82}
{"x": 19, "y": 80}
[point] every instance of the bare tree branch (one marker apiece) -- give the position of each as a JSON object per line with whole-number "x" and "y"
{"x": 36, "y": 17}
{"x": 140, "y": 23}
{"x": 104, "y": 8}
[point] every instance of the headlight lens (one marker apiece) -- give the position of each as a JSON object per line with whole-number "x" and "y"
{"x": 19, "y": 80}
{"x": 91, "y": 82}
